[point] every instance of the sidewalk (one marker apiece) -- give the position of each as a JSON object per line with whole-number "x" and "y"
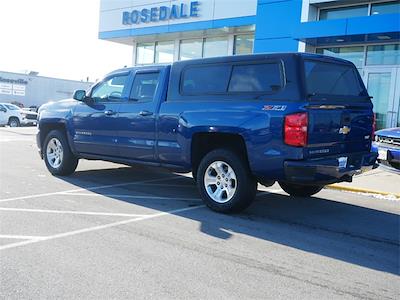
{"x": 384, "y": 181}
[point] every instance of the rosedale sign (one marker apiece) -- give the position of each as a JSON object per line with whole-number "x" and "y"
{"x": 161, "y": 13}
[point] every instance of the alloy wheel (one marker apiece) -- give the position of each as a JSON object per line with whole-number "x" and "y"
{"x": 55, "y": 153}
{"x": 220, "y": 182}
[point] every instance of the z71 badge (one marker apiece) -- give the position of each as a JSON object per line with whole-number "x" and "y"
{"x": 275, "y": 107}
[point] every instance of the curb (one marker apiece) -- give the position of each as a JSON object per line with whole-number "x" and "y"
{"x": 360, "y": 190}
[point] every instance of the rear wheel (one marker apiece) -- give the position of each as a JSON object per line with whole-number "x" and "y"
{"x": 294, "y": 189}
{"x": 13, "y": 122}
{"x": 395, "y": 165}
{"x": 57, "y": 155}
{"x": 225, "y": 182}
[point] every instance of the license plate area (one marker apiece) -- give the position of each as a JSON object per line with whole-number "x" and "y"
{"x": 342, "y": 162}
{"x": 382, "y": 154}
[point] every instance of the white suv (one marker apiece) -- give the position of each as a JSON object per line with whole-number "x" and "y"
{"x": 14, "y": 116}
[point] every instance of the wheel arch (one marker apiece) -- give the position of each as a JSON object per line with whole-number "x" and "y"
{"x": 47, "y": 127}
{"x": 13, "y": 117}
{"x": 204, "y": 142}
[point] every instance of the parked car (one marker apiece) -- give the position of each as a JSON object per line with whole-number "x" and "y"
{"x": 300, "y": 119}
{"x": 14, "y": 116}
{"x": 30, "y": 116}
{"x": 34, "y": 108}
{"x": 387, "y": 145}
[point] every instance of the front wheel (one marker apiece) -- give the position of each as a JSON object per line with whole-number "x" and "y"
{"x": 14, "y": 122}
{"x": 57, "y": 155}
{"x": 225, "y": 182}
{"x": 294, "y": 189}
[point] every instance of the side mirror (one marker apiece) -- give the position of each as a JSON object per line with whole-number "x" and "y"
{"x": 3, "y": 109}
{"x": 79, "y": 95}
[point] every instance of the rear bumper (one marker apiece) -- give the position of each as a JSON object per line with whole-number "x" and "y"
{"x": 393, "y": 152}
{"x": 326, "y": 170}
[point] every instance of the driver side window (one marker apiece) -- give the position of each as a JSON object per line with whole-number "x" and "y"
{"x": 110, "y": 90}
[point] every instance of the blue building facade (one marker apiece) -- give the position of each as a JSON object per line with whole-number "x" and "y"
{"x": 364, "y": 32}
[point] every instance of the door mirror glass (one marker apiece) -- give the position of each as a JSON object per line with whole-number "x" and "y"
{"x": 79, "y": 95}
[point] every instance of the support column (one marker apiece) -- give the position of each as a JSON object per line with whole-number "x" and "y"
{"x": 176, "y": 49}
{"x": 231, "y": 42}
{"x": 134, "y": 44}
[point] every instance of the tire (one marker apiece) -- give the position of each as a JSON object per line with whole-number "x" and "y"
{"x": 56, "y": 146}
{"x": 227, "y": 169}
{"x": 300, "y": 190}
{"x": 14, "y": 122}
{"x": 395, "y": 165}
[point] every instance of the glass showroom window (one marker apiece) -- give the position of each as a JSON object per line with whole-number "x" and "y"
{"x": 383, "y": 54}
{"x": 145, "y": 53}
{"x": 164, "y": 52}
{"x": 215, "y": 46}
{"x": 343, "y": 12}
{"x": 190, "y": 49}
{"x": 385, "y": 8}
{"x": 243, "y": 44}
{"x": 354, "y": 54}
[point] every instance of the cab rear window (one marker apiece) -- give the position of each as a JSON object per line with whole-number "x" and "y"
{"x": 325, "y": 78}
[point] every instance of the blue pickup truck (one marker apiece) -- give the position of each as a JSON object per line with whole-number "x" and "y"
{"x": 300, "y": 119}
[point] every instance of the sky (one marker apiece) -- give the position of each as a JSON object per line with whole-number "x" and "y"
{"x": 57, "y": 38}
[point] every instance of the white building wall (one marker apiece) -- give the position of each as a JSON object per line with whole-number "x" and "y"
{"x": 37, "y": 90}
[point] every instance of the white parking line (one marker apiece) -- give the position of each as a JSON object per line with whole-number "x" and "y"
{"x": 20, "y": 237}
{"x": 7, "y": 140}
{"x": 93, "y": 188}
{"x": 95, "y": 228}
{"x": 130, "y": 196}
{"x": 72, "y": 212}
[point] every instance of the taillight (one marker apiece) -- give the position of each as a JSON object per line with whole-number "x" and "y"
{"x": 373, "y": 127}
{"x": 296, "y": 129}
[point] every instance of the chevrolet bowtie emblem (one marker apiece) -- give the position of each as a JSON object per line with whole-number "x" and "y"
{"x": 344, "y": 130}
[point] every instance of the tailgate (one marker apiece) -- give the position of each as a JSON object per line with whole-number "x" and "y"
{"x": 340, "y": 110}
{"x": 339, "y": 130}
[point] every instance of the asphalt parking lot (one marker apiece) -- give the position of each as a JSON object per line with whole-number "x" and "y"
{"x": 112, "y": 231}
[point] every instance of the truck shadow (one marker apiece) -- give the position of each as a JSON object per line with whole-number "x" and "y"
{"x": 346, "y": 232}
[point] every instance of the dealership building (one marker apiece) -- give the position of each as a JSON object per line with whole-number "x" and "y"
{"x": 364, "y": 32}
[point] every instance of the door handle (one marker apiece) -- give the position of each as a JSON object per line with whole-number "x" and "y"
{"x": 109, "y": 112}
{"x": 145, "y": 113}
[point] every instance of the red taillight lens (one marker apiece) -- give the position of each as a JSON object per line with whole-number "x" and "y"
{"x": 296, "y": 129}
